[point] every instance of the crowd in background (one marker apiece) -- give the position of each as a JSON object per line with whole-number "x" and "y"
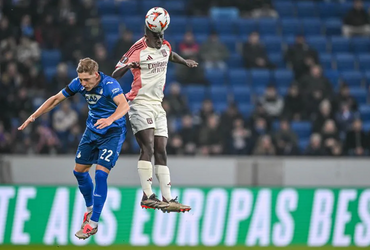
{"x": 27, "y": 27}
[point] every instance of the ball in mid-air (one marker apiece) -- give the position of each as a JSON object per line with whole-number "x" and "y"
{"x": 157, "y": 19}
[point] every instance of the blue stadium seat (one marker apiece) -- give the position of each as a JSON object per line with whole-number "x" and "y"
{"x": 235, "y": 60}
{"x": 129, "y": 8}
{"x": 326, "y": 60}
{"x": 178, "y": 25}
{"x": 110, "y": 41}
{"x": 175, "y": 7}
{"x": 272, "y": 43}
{"x": 302, "y": 129}
{"x": 283, "y": 77}
{"x": 50, "y": 73}
{"x": 340, "y": 44}
{"x": 291, "y": 26}
{"x": 277, "y": 59}
{"x": 306, "y": 9}
{"x": 259, "y": 90}
{"x": 282, "y": 90}
{"x": 359, "y": 94}
{"x": 360, "y": 44}
{"x": 319, "y": 43}
{"x": 238, "y": 77}
{"x": 107, "y": 7}
{"x": 367, "y": 77}
{"x": 344, "y": 8}
{"x": 241, "y": 94}
{"x": 200, "y": 25}
{"x": 333, "y": 76}
{"x": 50, "y": 58}
{"x": 226, "y": 27}
{"x": 267, "y": 26}
{"x": 110, "y": 23}
{"x": 148, "y": 4}
{"x": 229, "y": 41}
{"x": 366, "y": 126}
{"x": 260, "y": 77}
{"x": 246, "y": 109}
{"x": 224, "y": 13}
{"x": 134, "y": 23}
{"x": 220, "y": 107}
{"x": 218, "y": 94}
{"x": 195, "y": 93}
{"x": 333, "y": 27}
{"x": 328, "y": 10}
{"x": 195, "y": 107}
{"x": 246, "y": 26}
{"x": 215, "y": 76}
{"x": 170, "y": 77}
{"x": 303, "y": 144}
{"x": 285, "y": 9}
{"x": 289, "y": 39}
{"x": 363, "y": 61}
{"x": 352, "y": 78}
{"x": 365, "y": 112}
{"x": 312, "y": 26}
{"x": 345, "y": 61}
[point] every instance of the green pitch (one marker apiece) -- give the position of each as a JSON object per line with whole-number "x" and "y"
{"x": 5, "y": 247}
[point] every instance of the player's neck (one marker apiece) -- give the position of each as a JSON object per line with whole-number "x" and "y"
{"x": 98, "y": 81}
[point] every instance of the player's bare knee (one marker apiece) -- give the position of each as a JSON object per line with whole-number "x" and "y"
{"x": 160, "y": 157}
{"x": 147, "y": 150}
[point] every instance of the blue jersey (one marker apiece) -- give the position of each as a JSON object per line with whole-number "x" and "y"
{"x": 100, "y": 101}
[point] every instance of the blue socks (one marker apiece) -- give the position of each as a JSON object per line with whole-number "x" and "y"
{"x": 100, "y": 194}
{"x": 86, "y": 186}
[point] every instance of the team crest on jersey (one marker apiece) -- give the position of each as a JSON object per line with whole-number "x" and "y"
{"x": 92, "y": 98}
{"x": 124, "y": 59}
{"x": 164, "y": 52}
{"x": 149, "y": 120}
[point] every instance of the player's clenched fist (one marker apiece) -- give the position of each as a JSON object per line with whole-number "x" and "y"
{"x": 25, "y": 124}
{"x": 191, "y": 63}
{"x": 103, "y": 123}
{"x": 134, "y": 65}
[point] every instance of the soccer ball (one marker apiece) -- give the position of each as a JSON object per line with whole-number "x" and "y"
{"x": 157, "y": 19}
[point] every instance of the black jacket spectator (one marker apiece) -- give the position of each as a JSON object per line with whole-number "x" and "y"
{"x": 356, "y": 142}
{"x": 293, "y": 104}
{"x": 254, "y": 53}
{"x": 357, "y": 16}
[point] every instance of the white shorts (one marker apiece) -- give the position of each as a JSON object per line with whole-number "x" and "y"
{"x": 144, "y": 116}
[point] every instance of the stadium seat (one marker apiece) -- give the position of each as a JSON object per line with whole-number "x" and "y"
{"x": 363, "y": 61}
{"x": 177, "y": 7}
{"x": 246, "y": 109}
{"x": 235, "y": 60}
{"x": 110, "y": 41}
{"x": 220, "y": 107}
{"x": 148, "y": 4}
{"x": 340, "y": 44}
{"x": 259, "y": 91}
{"x": 178, "y": 26}
{"x": 359, "y": 94}
{"x": 366, "y": 126}
{"x": 277, "y": 59}
{"x": 195, "y": 107}
{"x": 260, "y": 77}
{"x": 291, "y": 26}
{"x": 283, "y": 77}
{"x": 241, "y": 94}
{"x": 289, "y": 39}
{"x": 352, "y": 78}
{"x": 229, "y": 41}
{"x": 267, "y": 26}
{"x": 365, "y": 112}
{"x": 215, "y": 76}
{"x": 50, "y": 73}
{"x": 345, "y": 61}
{"x": 344, "y": 8}
{"x": 50, "y": 58}
{"x": 134, "y": 23}
{"x": 200, "y": 25}
{"x": 107, "y": 7}
{"x": 306, "y": 9}
{"x": 129, "y": 8}
{"x": 285, "y": 9}
{"x": 195, "y": 93}
{"x": 110, "y": 23}
{"x": 246, "y": 26}
{"x": 224, "y": 13}
{"x": 326, "y": 60}
{"x": 238, "y": 77}
{"x": 302, "y": 129}
{"x": 272, "y": 43}
{"x": 282, "y": 91}
{"x": 333, "y": 76}
{"x": 226, "y": 27}
{"x": 303, "y": 144}
{"x": 360, "y": 44}
{"x": 319, "y": 43}
{"x": 218, "y": 94}
{"x": 333, "y": 27}
{"x": 312, "y": 26}
{"x": 328, "y": 10}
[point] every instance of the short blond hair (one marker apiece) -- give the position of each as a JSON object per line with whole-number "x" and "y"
{"x": 87, "y": 65}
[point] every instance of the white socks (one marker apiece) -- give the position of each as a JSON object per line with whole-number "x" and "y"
{"x": 146, "y": 176}
{"x": 163, "y": 175}
{"x": 89, "y": 209}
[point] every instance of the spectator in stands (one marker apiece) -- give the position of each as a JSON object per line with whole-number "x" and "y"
{"x": 198, "y": 7}
{"x": 5, "y": 140}
{"x": 28, "y": 51}
{"x": 47, "y": 34}
{"x": 6, "y": 29}
{"x": 63, "y": 121}
{"x": 330, "y": 136}
{"x": 314, "y": 82}
{"x": 61, "y": 78}
{"x": 123, "y": 44}
{"x": 228, "y": 117}
{"x": 26, "y": 26}
{"x": 101, "y": 57}
{"x": 70, "y": 28}
{"x": 35, "y": 80}
{"x": 344, "y": 119}
{"x": 210, "y": 138}
{"x": 260, "y": 112}
{"x": 263, "y": 9}
{"x": 22, "y": 105}
{"x": 315, "y": 148}
{"x": 214, "y": 53}
{"x": 189, "y": 135}
{"x": 254, "y": 53}
{"x": 356, "y": 22}
{"x": 344, "y": 97}
{"x": 264, "y": 146}
{"x": 286, "y": 140}
{"x": 272, "y": 102}
{"x": 240, "y": 140}
{"x": 176, "y": 100}
{"x": 189, "y": 47}
{"x": 325, "y": 113}
{"x": 74, "y": 138}
{"x": 206, "y": 111}
{"x": 47, "y": 141}
{"x": 175, "y": 145}
{"x": 65, "y": 11}
{"x": 301, "y": 57}
{"x": 187, "y": 75}
{"x": 88, "y": 13}
{"x": 293, "y": 104}
{"x": 259, "y": 128}
{"x": 356, "y": 143}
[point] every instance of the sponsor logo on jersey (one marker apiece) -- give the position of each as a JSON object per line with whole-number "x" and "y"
{"x": 149, "y": 58}
{"x": 101, "y": 91}
{"x": 115, "y": 90}
{"x": 92, "y": 98}
{"x": 109, "y": 83}
{"x": 164, "y": 52}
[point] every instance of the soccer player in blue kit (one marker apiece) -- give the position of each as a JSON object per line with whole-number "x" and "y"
{"x": 102, "y": 140}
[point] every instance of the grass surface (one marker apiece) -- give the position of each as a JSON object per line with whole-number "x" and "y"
{"x": 33, "y": 247}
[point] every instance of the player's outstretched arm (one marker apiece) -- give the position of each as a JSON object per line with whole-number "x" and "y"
{"x": 121, "y": 110}
{"x": 176, "y": 58}
{"x": 48, "y": 105}
{"x": 121, "y": 71}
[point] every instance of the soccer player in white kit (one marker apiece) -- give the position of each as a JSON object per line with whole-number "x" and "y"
{"x": 147, "y": 59}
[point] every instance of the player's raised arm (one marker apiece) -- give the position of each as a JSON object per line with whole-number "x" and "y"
{"x": 48, "y": 105}
{"x": 121, "y": 110}
{"x": 176, "y": 58}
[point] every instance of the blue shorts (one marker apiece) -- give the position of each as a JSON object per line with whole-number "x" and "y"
{"x": 100, "y": 149}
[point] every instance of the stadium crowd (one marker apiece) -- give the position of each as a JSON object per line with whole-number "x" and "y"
{"x": 73, "y": 27}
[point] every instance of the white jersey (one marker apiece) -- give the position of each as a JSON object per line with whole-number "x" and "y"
{"x": 149, "y": 81}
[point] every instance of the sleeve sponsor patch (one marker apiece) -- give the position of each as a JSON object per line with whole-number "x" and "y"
{"x": 116, "y": 90}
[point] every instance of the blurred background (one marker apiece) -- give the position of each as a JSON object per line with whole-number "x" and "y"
{"x": 288, "y": 79}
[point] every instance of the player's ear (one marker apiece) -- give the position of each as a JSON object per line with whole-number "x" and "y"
{"x": 96, "y": 74}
